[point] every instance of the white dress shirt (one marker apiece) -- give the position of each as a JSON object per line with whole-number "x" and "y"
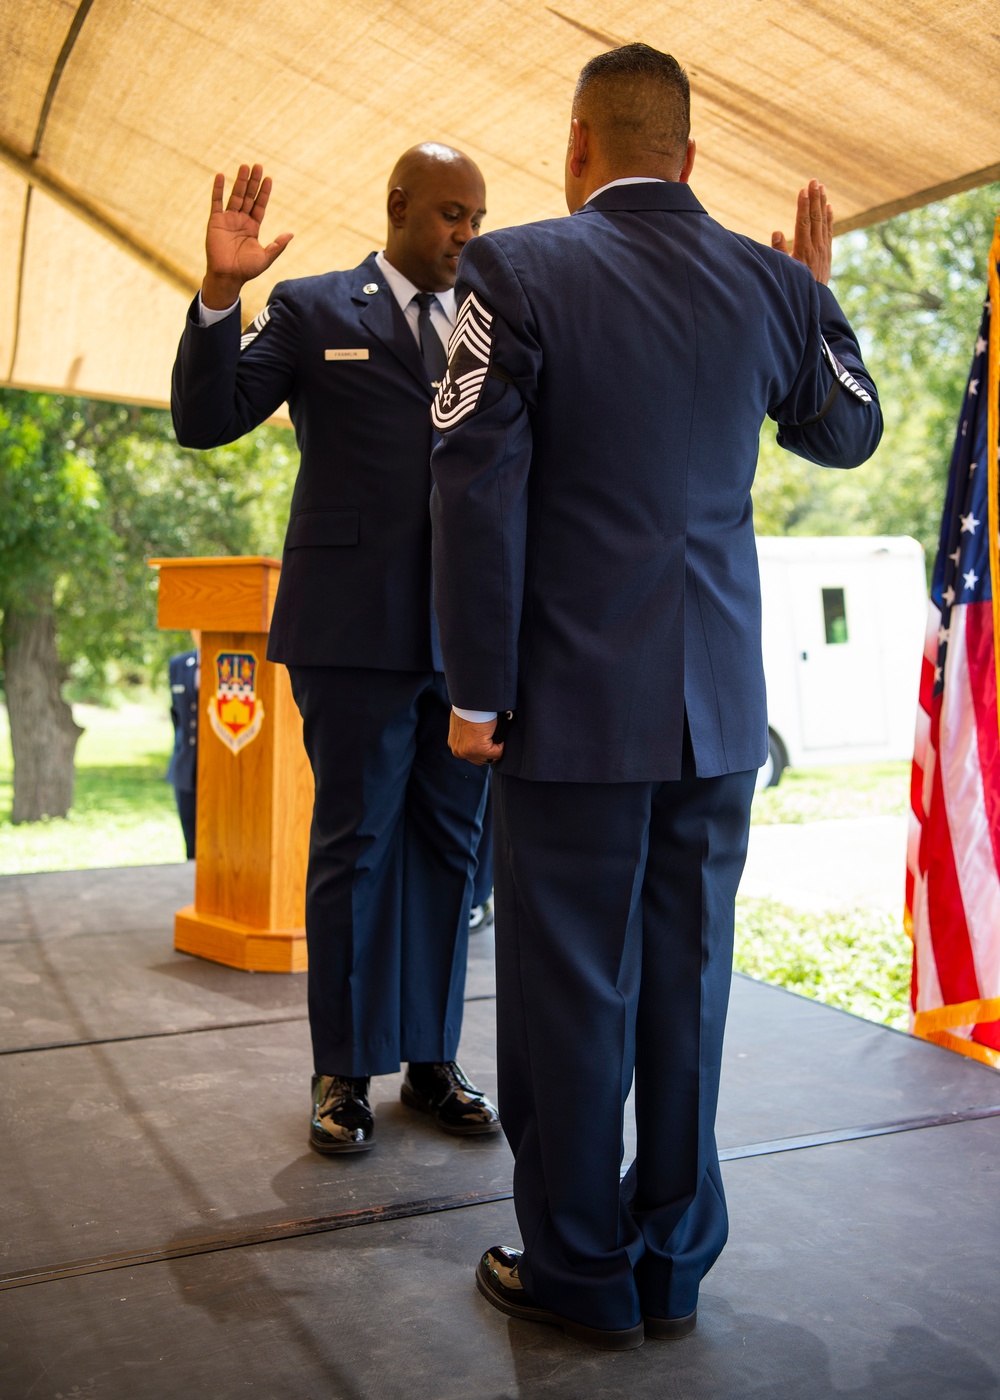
{"x": 442, "y": 307}
{"x": 628, "y": 180}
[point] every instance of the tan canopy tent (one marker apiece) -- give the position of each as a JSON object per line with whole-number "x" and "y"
{"x": 115, "y": 114}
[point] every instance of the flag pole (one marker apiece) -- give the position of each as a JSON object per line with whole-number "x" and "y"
{"x": 993, "y": 446}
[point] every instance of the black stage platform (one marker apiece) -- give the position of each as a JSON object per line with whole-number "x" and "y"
{"x": 167, "y": 1233}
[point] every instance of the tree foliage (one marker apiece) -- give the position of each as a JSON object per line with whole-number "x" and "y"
{"x": 912, "y": 287}
{"x": 89, "y": 491}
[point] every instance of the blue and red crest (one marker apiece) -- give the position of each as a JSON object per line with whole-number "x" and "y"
{"x": 234, "y": 711}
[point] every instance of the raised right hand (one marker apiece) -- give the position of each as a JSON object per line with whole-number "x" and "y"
{"x": 232, "y": 243}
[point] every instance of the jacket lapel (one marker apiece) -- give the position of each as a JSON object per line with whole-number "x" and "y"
{"x": 380, "y": 315}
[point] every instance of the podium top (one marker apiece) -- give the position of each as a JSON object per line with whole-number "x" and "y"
{"x": 224, "y": 594}
{"x": 211, "y": 560}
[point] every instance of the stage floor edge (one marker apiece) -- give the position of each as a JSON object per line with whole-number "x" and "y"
{"x": 167, "y": 1231}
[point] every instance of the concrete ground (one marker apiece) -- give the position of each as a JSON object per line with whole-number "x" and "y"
{"x": 829, "y": 864}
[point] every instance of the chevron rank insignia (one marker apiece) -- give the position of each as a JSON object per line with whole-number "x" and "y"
{"x": 844, "y": 376}
{"x": 469, "y": 352}
{"x": 254, "y": 329}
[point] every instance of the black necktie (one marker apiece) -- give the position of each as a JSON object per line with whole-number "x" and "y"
{"x": 431, "y": 349}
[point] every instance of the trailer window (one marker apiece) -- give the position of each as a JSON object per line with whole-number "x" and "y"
{"x": 834, "y": 615}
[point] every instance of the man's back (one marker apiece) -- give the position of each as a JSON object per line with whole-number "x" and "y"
{"x": 647, "y": 344}
{"x": 595, "y": 574}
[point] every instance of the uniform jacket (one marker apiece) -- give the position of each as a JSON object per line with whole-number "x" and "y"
{"x": 183, "y": 769}
{"x": 355, "y": 577}
{"x": 595, "y": 564}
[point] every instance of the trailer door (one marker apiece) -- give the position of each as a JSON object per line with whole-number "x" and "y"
{"x": 836, "y": 635}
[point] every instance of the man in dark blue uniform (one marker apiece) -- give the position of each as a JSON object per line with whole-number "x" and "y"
{"x": 595, "y": 575}
{"x": 183, "y": 769}
{"x": 358, "y": 355}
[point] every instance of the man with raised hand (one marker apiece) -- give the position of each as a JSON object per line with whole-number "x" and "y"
{"x": 596, "y": 584}
{"x": 396, "y": 823}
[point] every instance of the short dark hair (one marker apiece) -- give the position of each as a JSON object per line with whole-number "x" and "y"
{"x": 639, "y": 98}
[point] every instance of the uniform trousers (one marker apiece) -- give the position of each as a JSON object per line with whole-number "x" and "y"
{"x": 482, "y": 888}
{"x": 187, "y": 810}
{"x": 396, "y": 823}
{"x": 615, "y": 906}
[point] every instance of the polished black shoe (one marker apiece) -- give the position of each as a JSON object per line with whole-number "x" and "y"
{"x": 342, "y": 1119}
{"x": 497, "y": 1281}
{"x": 481, "y": 917}
{"x": 453, "y": 1101}
{"x": 670, "y": 1329}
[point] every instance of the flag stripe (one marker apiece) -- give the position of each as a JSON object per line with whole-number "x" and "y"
{"x": 949, "y": 935}
{"x": 953, "y": 880}
{"x": 982, "y": 674}
{"x": 980, "y": 858}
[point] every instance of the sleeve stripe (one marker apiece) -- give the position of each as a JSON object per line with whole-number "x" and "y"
{"x": 254, "y": 329}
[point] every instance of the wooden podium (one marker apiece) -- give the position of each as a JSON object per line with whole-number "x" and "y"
{"x": 255, "y": 787}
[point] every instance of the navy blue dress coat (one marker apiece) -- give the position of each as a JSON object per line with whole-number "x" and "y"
{"x": 355, "y": 574}
{"x": 608, "y": 379}
{"x": 396, "y": 818}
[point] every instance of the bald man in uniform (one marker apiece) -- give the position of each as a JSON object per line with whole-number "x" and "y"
{"x": 397, "y": 819}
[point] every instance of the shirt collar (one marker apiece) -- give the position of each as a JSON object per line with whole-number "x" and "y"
{"x": 404, "y": 291}
{"x": 625, "y": 180}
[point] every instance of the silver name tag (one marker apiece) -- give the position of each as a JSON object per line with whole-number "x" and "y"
{"x": 345, "y": 354}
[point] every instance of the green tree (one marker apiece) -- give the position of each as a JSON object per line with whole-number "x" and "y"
{"x": 912, "y": 287}
{"x": 88, "y": 492}
{"x": 51, "y": 523}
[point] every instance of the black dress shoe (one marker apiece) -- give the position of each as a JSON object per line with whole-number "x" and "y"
{"x": 497, "y": 1281}
{"x": 481, "y": 917}
{"x": 670, "y": 1329}
{"x": 342, "y": 1119}
{"x": 455, "y": 1104}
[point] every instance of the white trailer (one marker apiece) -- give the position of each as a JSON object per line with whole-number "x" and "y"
{"x": 844, "y": 620}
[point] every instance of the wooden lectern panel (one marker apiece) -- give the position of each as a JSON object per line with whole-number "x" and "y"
{"x": 253, "y": 804}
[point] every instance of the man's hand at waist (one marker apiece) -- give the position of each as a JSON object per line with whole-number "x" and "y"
{"x": 474, "y": 741}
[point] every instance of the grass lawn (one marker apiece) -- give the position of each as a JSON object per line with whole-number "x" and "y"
{"x": 124, "y": 814}
{"x": 857, "y": 959}
{"x": 821, "y": 794}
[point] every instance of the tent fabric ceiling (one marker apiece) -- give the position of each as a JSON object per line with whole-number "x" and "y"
{"x": 115, "y": 114}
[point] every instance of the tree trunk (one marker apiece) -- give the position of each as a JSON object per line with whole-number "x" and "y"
{"x": 43, "y": 733}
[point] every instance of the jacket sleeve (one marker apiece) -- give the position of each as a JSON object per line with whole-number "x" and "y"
{"x": 480, "y": 466}
{"x": 831, "y": 414}
{"x": 225, "y": 380}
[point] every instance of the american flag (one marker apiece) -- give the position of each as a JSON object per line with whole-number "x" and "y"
{"x": 953, "y": 855}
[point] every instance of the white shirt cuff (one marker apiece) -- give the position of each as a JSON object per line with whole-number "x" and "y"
{"x": 475, "y": 716}
{"x": 208, "y": 316}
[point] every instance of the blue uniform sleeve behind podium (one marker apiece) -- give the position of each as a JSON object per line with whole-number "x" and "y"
{"x": 605, "y": 527}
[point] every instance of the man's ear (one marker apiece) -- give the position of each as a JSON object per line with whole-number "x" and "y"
{"x": 397, "y": 206}
{"x": 579, "y": 140}
{"x": 688, "y": 165}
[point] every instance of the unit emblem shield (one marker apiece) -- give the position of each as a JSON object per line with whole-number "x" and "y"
{"x": 235, "y": 712}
